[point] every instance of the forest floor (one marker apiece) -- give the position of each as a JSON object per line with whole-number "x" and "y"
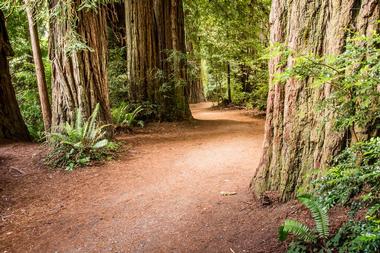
{"x": 162, "y": 193}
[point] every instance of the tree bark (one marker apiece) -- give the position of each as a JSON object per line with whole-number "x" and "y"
{"x": 39, "y": 67}
{"x": 12, "y": 125}
{"x": 196, "y": 90}
{"x": 298, "y": 139}
{"x": 142, "y": 51}
{"x": 155, "y": 29}
{"x": 79, "y": 77}
{"x": 173, "y": 63}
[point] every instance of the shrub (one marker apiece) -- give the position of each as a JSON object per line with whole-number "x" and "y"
{"x": 79, "y": 144}
{"x": 354, "y": 181}
{"x": 117, "y": 77}
{"x": 122, "y": 117}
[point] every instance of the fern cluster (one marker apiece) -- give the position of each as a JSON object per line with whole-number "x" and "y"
{"x": 124, "y": 118}
{"x": 79, "y": 143}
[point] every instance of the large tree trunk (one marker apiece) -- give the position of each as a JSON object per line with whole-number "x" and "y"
{"x": 172, "y": 46}
{"x": 12, "y": 125}
{"x": 79, "y": 76}
{"x": 155, "y": 28}
{"x": 299, "y": 139}
{"x": 196, "y": 91}
{"x": 39, "y": 67}
{"x": 142, "y": 51}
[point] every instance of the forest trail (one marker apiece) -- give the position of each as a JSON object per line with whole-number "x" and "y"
{"x": 161, "y": 195}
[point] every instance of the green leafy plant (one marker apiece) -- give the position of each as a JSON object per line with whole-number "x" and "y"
{"x": 306, "y": 236}
{"x": 354, "y": 181}
{"x": 125, "y": 119}
{"x": 354, "y": 178}
{"x": 79, "y": 143}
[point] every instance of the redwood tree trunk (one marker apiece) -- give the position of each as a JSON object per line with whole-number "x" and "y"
{"x": 79, "y": 76}
{"x": 39, "y": 67}
{"x": 299, "y": 139}
{"x": 196, "y": 90}
{"x": 172, "y": 47}
{"x": 12, "y": 125}
{"x": 155, "y": 28}
{"x": 142, "y": 51}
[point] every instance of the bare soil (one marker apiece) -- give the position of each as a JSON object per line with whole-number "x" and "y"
{"x": 162, "y": 194}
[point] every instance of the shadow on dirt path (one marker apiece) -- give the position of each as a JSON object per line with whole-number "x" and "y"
{"x": 161, "y": 195}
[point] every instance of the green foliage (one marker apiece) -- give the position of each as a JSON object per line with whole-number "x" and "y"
{"x": 172, "y": 80}
{"x": 31, "y": 112}
{"x": 305, "y": 236}
{"x": 22, "y": 66}
{"x": 297, "y": 228}
{"x": 123, "y": 117}
{"x": 234, "y": 32}
{"x": 117, "y": 75}
{"x": 319, "y": 214}
{"x": 354, "y": 76}
{"x": 354, "y": 181}
{"x": 357, "y": 236}
{"x": 79, "y": 143}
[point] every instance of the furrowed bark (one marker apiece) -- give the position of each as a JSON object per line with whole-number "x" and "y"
{"x": 142, "y": 51}
{"x": 79, "y": 77}
{"x": 172, "y": 47}
{"x": 298, "y": 138}
{"x": 155, "y": 30}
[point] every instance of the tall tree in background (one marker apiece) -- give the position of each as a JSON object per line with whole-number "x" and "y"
{"x": 39, "y": 67}
{"x": 155, "y": 51}
{"x": 78, "y": 51}
{"x": 196, "y": 89}
{"x": 173, "y": 64}
{"x": 230, "y": 33}
{"x": 298, "y": 138}
{"x": 142, "y": 51}
{"x": 12, "y": 125}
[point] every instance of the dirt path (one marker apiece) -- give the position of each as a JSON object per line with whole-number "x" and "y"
{"x": 162, "y": 195}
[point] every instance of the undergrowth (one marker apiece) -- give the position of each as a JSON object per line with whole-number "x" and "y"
{"x": 80, "y": 143}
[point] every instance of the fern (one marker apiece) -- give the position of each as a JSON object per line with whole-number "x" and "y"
{"x": 123, "y": 118}
{"x": 319, "y": 214}
{"x": 301, "y": 231}
{"x": 297, "y": 228}
{"x": 79, "y": 143}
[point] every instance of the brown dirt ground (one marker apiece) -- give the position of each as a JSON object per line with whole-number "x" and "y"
{"x": 162, "y": 194}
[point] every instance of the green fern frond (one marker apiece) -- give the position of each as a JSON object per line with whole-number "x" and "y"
{"x": 92, "y": 122}
{"x": 299, "y": 229}
{"x": 319, "y": 214}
